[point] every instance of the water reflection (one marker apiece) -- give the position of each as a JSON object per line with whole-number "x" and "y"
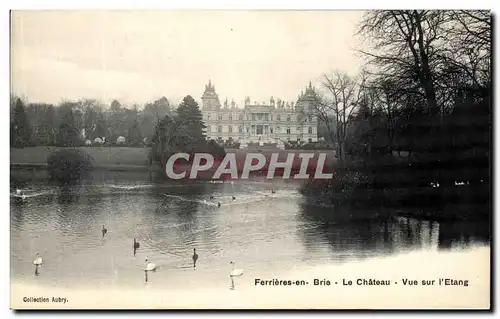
{"x": 385, "y": 234}
{"x": 265, "y": 232}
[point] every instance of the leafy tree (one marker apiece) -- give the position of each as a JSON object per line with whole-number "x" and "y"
{"x": 190, "y": 116}
{"x": 68, "y": 166}
{"x": 183, "y": 132}
{"x": 68, "y": 134}
{"x": 152, "y": 114}
{"x": 116, "y": 120}
{"x": 91, "y": 111}
{"x": 47, "y": 130}
{"x": 101, "y": 127}
{"x": 169, "y": 137}
{"x": 20, "y": 129}
{"x": 134, "y": 135}
{"x": 35, "y": 113}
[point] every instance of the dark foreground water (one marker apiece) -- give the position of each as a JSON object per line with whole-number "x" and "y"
{"x": 264, "y": 233}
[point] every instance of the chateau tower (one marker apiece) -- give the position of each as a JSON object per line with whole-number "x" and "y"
{"x": 307, "y": 100}
{"x": 210, "y": 98}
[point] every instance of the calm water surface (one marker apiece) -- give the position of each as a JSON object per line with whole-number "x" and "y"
{"x": 264, "y": 233}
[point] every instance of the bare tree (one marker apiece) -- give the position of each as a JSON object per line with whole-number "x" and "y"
{"x": 404, "y": 46}
{"x": 432, "y": 54}
{"x": 337, "y": 106}
{"x": 466, "y": 55}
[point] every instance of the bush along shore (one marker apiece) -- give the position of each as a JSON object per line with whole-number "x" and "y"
{"x": 405, "y": 189}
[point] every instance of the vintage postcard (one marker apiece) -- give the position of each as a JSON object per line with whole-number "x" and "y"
{"x": 250, "y": 159}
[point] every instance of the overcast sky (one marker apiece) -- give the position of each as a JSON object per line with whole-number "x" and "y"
{"x": 139, "y": 56}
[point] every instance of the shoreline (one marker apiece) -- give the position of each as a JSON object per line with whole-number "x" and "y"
{"x": 109, "y": 168}
{"x": 470, "y": 264}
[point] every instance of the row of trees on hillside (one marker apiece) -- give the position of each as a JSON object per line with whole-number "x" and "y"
{"x": 72, "y": 123}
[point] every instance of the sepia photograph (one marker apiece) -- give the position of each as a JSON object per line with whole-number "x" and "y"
{"x": 251, "y": 159}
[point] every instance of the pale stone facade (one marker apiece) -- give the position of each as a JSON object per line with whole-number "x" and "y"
{"x": 261, "y": 122}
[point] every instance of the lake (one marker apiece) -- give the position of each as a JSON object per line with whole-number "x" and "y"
{"x": 267, "y": 234}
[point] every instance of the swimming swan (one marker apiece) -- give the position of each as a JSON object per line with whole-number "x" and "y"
{"x": 37, "y": 262}
{"x": 150, "y": 266}
{"x": 195, "y": 257}
{"x": 235, "y": 272}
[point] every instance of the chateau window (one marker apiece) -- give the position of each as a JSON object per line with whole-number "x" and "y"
{"x": 230, "y": 129}
{"x": 278, "y": 129}
{"x": 310, "y": 140}
{"x": 240, "y": 117}
{"x": 208, "y": 117}
{"x": 288, "y": 118}
{"x": 230, "y": 116}
{"x": 287, "y": 130}
{"x": 220, "y": 129}
{"x": 248, "y": 117}
{"x": 310, "y": 130}
{"x": 271, "y": 117}
{"x": 278, "y": 118}
{"x": 240, "y": 129}
{"x": 253, "y": 117}
{"x": 220, "y": 117}
{"x": 310, "y": 118}
{"x": 248, "y": 129}
{"x": 271, "y": 130}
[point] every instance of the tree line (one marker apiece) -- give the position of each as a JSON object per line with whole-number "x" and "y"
{"x": 71, "y": 123}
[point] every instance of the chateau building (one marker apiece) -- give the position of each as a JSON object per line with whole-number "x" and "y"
{"x": 274, "y": 122}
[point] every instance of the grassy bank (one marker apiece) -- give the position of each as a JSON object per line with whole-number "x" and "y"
{"x": 123, "y": 157}
{"x": 104, "y": 157}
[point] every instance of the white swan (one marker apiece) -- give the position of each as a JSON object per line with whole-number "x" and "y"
{"x": 150, "y": 266}
{"x": 38, "y": 260}
{"x": 235, "y": 272}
